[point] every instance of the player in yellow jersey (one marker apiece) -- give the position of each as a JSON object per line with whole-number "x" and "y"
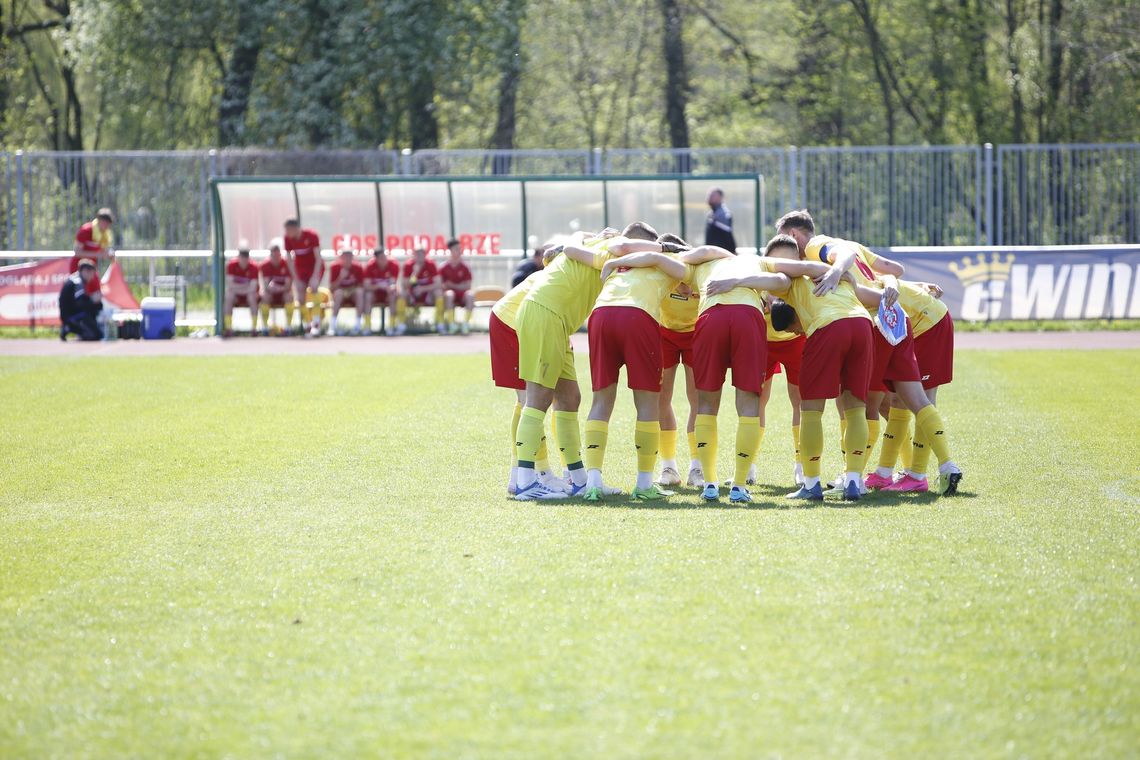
{"x": 677, "y": 324}
{"x": 624, "y": 330}
{"x": 505, "y": 373}
{"x": 556, "y": 306}
{"x": 785, "y": 349}
{"x": 893, "y": 367}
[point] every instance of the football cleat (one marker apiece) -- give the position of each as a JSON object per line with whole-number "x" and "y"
{"x": 948, "y": 482}
{"x": 401, "y": 329}
{"x": 751, "y": 479}
{"x": 465, "y": 329}
{"x": 908, "y": 484}
{"x": 852, "y": 491}
{"x": 441, "y": 329}
{"x": 593, "y": 494}
{"x": 739, "y": 495}
{"x": 553, "y": 482}
{"x": 696, "y": 477}
{"x": 876, "y": 481}
{"x": 815, "y": 493}
{"x": 538, "y": 492}
{"x": 711, "y": 492}
{"x": 669, "y": 477}
{"x": 653, "y": 493}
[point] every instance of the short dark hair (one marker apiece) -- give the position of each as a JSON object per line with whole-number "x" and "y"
{"x": 783, "y": 315}
{"x": 453, "y": 241}
{"x": 243, "y": 252}
{"x": 292, "y": 223}
{"x": 346, "y": 250}
{"x": 669, "y": 237}
{"x": 106, "y": 215}
{"x": 781, "y": 241}
{"x": 799, "y": 219}
{"x": 639, "y": 231}
{"x": 379, "y": 252}
{"x": 86, "y": 264}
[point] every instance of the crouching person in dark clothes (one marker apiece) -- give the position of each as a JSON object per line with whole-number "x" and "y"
{"x": 78, "y": 309}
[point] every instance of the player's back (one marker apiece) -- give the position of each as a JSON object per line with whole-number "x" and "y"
{"x": 718, "y": 269}
{"x": 819, "y": 311}
{"x": 640, "y": 287}
{"x": 569, "y": 288}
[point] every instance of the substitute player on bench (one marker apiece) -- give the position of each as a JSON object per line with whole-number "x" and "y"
{"x": 420, "y": 288}
{"x": 241, "y": 290}
{"x": 307, "y": 267}
{"x": 455, "y": 279}
{"x": 381, "y": 288}
{"x": 276, "y": 288}
{"x": 346, "y": 281}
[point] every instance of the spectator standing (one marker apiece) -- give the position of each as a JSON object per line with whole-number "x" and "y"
{"x": 93, "y": 242}
{"x": 527, "y": 267}
{"x": 718, "y": 224}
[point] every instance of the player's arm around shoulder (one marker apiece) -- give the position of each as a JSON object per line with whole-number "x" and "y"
{"x": 664, "y": 262}
{"x": 621, "y": 246}
{"x": 705, "y": 253}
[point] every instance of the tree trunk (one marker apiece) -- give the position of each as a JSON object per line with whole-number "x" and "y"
{"x": 423, "y": 122}
{"x": 677, "y": 77}
{"x": 237, "y": 80}
{"x": 1011, "y": 24}
{"x": 510, "y": 74}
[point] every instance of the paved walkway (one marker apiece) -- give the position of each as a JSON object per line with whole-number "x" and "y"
{"x": 474, "y": 344}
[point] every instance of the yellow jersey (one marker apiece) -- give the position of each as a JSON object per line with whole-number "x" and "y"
{"x": 738, "y": 266}
{"x": 679, "y": 309}
{"x": 820, "y": 311}
{"x": 640, "y": 287}
{"x": 508, "y": 306}
{"x": 923, "y": 309}
{"x": 569, "y": 289}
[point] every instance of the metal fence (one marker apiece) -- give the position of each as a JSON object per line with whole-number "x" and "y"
{"x": 882, "y": 196}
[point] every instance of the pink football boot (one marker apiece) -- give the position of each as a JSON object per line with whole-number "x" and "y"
{"x": 908, "y": 484}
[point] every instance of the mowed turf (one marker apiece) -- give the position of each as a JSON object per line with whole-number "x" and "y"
{"x": 314, "y": 556}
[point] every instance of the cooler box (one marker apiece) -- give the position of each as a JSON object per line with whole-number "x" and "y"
{"x": 157, "y": 318}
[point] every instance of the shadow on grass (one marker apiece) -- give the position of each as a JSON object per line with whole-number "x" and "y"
{"x": 769, "y": 497}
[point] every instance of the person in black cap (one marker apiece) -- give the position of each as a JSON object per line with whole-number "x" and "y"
{"x": 79, "y": 307}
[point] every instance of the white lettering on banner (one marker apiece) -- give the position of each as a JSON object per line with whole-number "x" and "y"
{"x": 1106, "y": 278}
{"x": 1134, "y": 307}
{"x": 18, "y": 306}
{"x": 1075, "y": 297}
{"x": 1036, "y": 296}
{"x": 982, "y": 300}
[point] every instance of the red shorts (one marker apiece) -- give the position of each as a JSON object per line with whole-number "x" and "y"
{"x": 838, "y": 358}
{"x": 893, "y": 363}
{"x": 380, "y": 297}
{"x": 275, "y": 300}
{"x": 349, "y": 296}
{"x": 625, "y": 335}
{"x": 505, "y": 356}
{"x": 459, "y": 296}
{"x": 789, "y": 353}
{"x": 241, "y": 300}
{"x": 306, "y": 267}
{"x": 934, "y": 350}
{"x": 730, "y": 336}
{"x": 424, "y": 298}
{"x": 676, "y": 348}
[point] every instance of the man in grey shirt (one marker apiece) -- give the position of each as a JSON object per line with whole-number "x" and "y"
{"x": 718, "y": 224}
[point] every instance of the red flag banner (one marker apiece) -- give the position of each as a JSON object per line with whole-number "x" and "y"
{"x": 31, "y": 292}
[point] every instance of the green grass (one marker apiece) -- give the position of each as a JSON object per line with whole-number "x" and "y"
{"x": 181, "y": 574}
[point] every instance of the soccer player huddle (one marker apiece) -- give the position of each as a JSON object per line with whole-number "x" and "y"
{"x": 808, "y": 303}
{"x": 291, "y": 281}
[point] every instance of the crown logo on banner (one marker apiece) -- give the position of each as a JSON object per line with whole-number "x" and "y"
{"x": 979, "y": 270}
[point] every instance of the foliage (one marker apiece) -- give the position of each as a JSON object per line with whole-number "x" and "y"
{"x": 424, "y": 73}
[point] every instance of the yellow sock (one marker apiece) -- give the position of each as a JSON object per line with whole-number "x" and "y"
{"x": 647, "y": 441}
{"x": 449, "y": 317}
{"x": 811, "y": 442}
{"x": 855, "y": 439}
{"x": 264, "y": 309}
{"x": 438, "y": 311}
{"x": 542, "y": 458}
{"x": 796, "y": 443}
{"x": 669, "y": 444}
{"x": 898, "y": 422}
{"x": 304, "y": 315}
{"x": 515, "y": 429}
{"x": 929, "y": 421}
{"x": 554, "y": 435}
{"x": 748, "y": 437}
{"x": 470, "y": 314}
{"x": 368, "y": 320}
{"x": 228, "y": 322}
{"x": 692, "y": 438}
{"x": 843, "y": 435}
{"x": 569, "y": 438}
{"x": 920, "y": 453}
{"x": 529, "y": 436}
{"x": 402, "y": 311}
{"x": 290, "y": 307}
{"x": 872, "y": 438}
{"x": 705, "y": 433}
{"x": 597, "y": 433}
{"x": 906, "y": 452}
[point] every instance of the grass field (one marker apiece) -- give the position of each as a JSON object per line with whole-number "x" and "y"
{"x": 182, "y": 574}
